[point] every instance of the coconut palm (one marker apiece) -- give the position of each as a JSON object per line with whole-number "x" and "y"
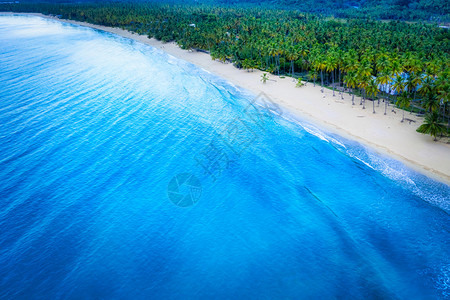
{"x": 427, "y": 86}
{"x": 291, "y": 55}
{"x": 351, "y": 81}
{"x": 313, "y": 76}
{"x": 384, "y": 79}
{"x": 363, "y": 82}
{"x": 398, "y": 85}
{"x": 299, "y": 83}
{"x": 372, "y": 90}
{"x": 274, "y": 53}
{"x": 430, "y": 103}
{"x": 416, "y": 81}
{"x": 264, "y": 77}
{"x": 383, "y": 62}
{"x": 403, "y": 101}
{"x": 331, "y": 65}
{"x": 248, "y": 64}
{"x": 320, "y": 64}
{"x": 432, "y": 126}
{"x": 396, "y": 66}
{"x": 364, "y": 75}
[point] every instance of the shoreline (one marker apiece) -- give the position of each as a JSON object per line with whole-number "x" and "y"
{"x": 384, "y": 134}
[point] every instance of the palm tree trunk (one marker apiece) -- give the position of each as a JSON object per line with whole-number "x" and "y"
{"x": 448, "y": 117}
{"x": 292, "y": 64}
{"x": 321, "y": 79}
{"x": 385, "y": 105}
{"x": 332, "y": 74}
{"x": 260, "y": 60}
{"x": 364, "y": 99}
{"x": 393, "y": 105}
{"x": 340, "y": 79}
{"x": 278, "y": 64}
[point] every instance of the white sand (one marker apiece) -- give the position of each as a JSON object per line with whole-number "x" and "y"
{"x": 383, "y": 133}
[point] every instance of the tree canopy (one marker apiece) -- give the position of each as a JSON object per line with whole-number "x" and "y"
{"x": 403, "y": 63}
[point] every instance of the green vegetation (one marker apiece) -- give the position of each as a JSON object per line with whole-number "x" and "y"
{"x": 299, "y": 83}
{"x": 402, "y": 63}
{"x": 437, "y": 10}
{"x": 406, "y": 10}
{"x": 432, "y": 126}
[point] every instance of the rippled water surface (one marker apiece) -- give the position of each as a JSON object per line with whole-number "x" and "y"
{"x": 126, "y": 173}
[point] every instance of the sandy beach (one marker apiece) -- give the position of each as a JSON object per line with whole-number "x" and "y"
{"x": 385, "y": 134}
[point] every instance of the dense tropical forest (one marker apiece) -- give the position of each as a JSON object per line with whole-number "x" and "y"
{"x": 407, "y": 10}
{"x": 388, "y": 62}
{"x": 437, "y": 10}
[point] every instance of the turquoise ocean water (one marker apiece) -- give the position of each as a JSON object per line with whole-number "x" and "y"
{"x": 126, "y": 173}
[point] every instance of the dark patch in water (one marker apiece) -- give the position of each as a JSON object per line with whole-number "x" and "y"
{"x": 318, "y": 199}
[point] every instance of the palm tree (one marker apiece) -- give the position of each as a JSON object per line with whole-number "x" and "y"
{"x": 403, "y": 101}
{"x": 383, "y": 79}
{"x": 396, "y": 67}
{"x": 363, "y": 82}
{"x": 313, "y": 76}
{"x": 416, "y": 81}
{"x": 331, "y": 65}
{"x": 351, "y": 81}
{"x": 364, "y": 75}
{"x": 442, "y": 89}
{"x": 383, "y": 62}
{"x": 432, "y": 67}
{"x": 399, "y": 85}
{"x": 351, "y": 63}
{"x": 299, "y": 83}
{"x": 432, "y": 126}
{"x": 340, "y": 66}
{"x": 292, "y": 56}
{"x": 427, "y": 86}
{"x": 279, "y": 52}
{"x": 320, "y": 65}
{"x": 248, "y": 64}
{"x": 430, "y": 103}
{"x": 415, "y": 65}
{"x": 264, "y": 77}
{"x": 273, "y": 52}
{"x": 302, "y": 50}
{"x": 372, "y": 90}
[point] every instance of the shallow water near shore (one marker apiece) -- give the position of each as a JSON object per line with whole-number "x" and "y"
{"x": 97, "y": 136}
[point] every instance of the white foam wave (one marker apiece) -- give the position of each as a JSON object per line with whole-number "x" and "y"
{"x": 315, "y": 132}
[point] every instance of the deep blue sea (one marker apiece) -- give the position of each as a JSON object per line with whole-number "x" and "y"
{"x": 126, "y": 173}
